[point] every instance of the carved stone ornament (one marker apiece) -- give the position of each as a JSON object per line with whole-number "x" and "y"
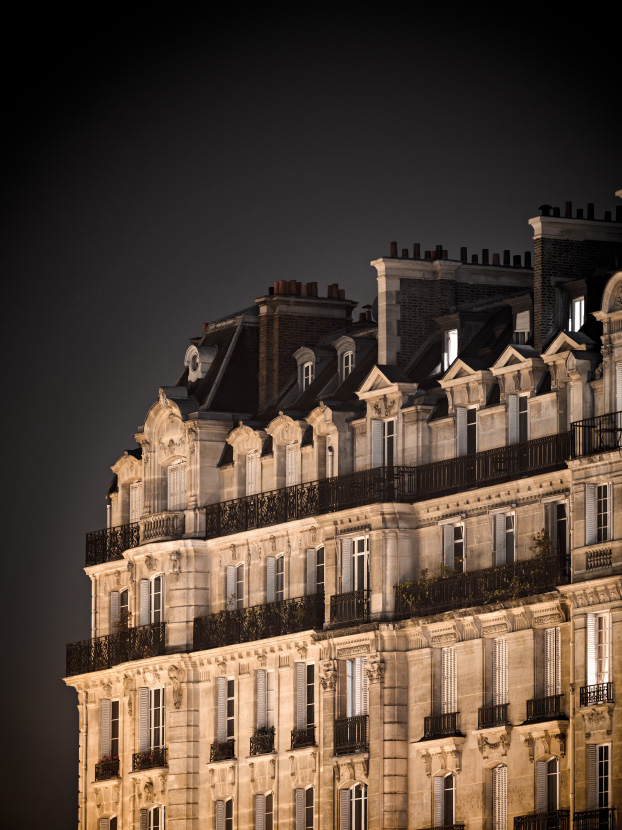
{"x": 597, "y": 719}
{"x": 598, "y": 371}
{"x": 175, "y": 557}
{"x": 222, "y": 665}
{"x": 385, "y": 406}
{"x": 151, "y": 563}
{"x": 130, "y": 569}
{"x": 375, "y": 671}
{"x": 617, "y": 303}
{"x": 162, "y": 399}
{"x": 446, "y": 639}
{"x": 262, "y": 659}
{"x": 172, "y": 447}
{"x": 107, "y": 688}
{"x": 497, "y": 748}
{"x": 176, "y": 675}
{"x": 302, "y": 651}
{"x": 497, "y": 627}
{"x": 328, "y": 675}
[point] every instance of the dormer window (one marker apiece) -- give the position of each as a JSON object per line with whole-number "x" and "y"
{"x": 577, "y": 313}
{"x": 308, "y": 375}
{"x": 347, "y": 364}
{"x": 522, "y": 327}
{"x": 136, "y": 500}
{"x": 450, "y": 347}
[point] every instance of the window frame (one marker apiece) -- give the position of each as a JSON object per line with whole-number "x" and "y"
{"x": 307, "y": 374}
{"x": 451, "y": 346}
{"x": 347, "y": 364}
{"x": 576, "y": 312}
{"x": 177, "y": 501}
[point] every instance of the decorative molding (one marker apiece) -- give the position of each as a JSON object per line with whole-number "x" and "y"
{"x": 151, "y": 563}
{"x": 385, "y": 406}
{"x": 328, "y": 675}
{"x": 597, "y": 719}
{"x": 302, "y": 651}
{"x": 375, "y": 670}
{"x": 175, "y": 557}
{"x": 488, "y": 746}
{"x": 449, "y": 638}
{"x": 495, "y": 628}
{"x": 176, "y": 675}
{"x": 172, "y": 447}
{"x": 352, "y": 650}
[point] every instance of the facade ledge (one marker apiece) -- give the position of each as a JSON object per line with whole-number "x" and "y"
{"x": 544, "y": 738}
{"x": 597, "y": 721}
{"x": 494, "y": 741}
{"x": 596, "y": 591}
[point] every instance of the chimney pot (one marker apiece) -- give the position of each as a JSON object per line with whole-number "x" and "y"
{"x": 496, "y": 260}
{"x": 362, "y": 316}
{"x": 439, "y": 251}
{"x": 282, "y": 287}
{"x": 463, "y": 255}
{"x": 484, "y": 256}
{"x": 607, "y": 216}
{"x": 428, "y": 254}
{"x": 590, "y": 210}
{"x": 444, "y": 254}
{"x": 404, "y": 253}
{"x": 568, "y": 210}
{"x": 303, "y": 290}
{"x": 271, "y": 291}
{"x": 516, "y": 260}
{"x": 579, "y": 213}
{"x": 292, "y": 287}
{"x": 556, "y": 211}
{"x": 416, "y": 250}
{"x": 506, "y": 258}
{"x": 393, "y": 249}
{"x": 474, "y": 259}
{"x": 342, "y": 293}
{"x": 546, "y": 210}
{"x": 527, "y": 259}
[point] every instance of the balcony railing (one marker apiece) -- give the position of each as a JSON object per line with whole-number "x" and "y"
{"x": 553, "y": 820}
{"x": 223, "y": 751}
{"x": 599, "y": 693}
{"x": 445, "y": 827}
{"x": 439, "y": 726}
{"x": 352, "y": 607}
{"x": 424, "y": 596}
{"x": 106, "y": 769}
{"x": 149, "y": 759}
{"x": 303, "y": 737}
{"x": 108, "y": 544}
{"x": 259, "y": 622}
{"x": 600, "y": 558}
{"x": 106, "y": 652}
{"x": 600, "y": 434}
{"x": 387, "y": 484}
{"x": 351, "y": 735}
{"x": 262, "y": 742}
{"x": 545, "y": 708}
{"x": 495, "y": 715}
{"x": 599, "y": 819}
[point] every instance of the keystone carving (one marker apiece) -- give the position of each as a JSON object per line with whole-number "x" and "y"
{"x": 151, "y": 562}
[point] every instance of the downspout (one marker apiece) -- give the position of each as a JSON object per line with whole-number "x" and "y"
{"x": 570, "y": 747}
{"x": 85, "y": 732}
{"x": 93, "y": 603}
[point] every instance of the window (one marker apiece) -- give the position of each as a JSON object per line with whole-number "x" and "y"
{"x": 547, "y": 795}
{"x": 449, "y": 682}
{"x": 275, "y": 578}
{"x": 264, "y": 812}
{"x": 304, "y": 808}
{"x": 450, "y": 347}
{"x": 109, "y": 723}
{"x": 151, "y": 719}
{"x": 119, "y": 610}
{"x": 444, "y": 799}
{"x": 504, "y": 542}
{"x": 177, "y": 486}
{"x": 152, "y": 600}
{"x": 292, "y": 457}
{"x": 252, "y": 473}
{"x": 357, "y": 687}
{"x": 522, "y": 327}
{"x": 265, "y": 699}
{"x": 224, "y": 814}
{"x": 500, "y": 671}
{"x": 598, "y": 776}
{"x": 305, "y": 695}
{"x": 453, "y": 546}
{"x": 353, "y": 808}
{"x": 354, "y": 564}
{"x": 383, "y": 443}
{"x": 556, "y": 525}
{"x": 518, "y": 418}
{"x": 598, "y": 641}
{"x": 330, "y": 461}
{"x": 347, "y": 364}
{"x": 315, "y": 570}
{"x": 308, "y": 374}
{"x": 108, "y": 823}
{"x": 225, "y": 727}
{"x": 124, "y": 608}
{"x": 618, "y": 391}
{"x": 136, "y": 500}
{"x": 152, "y": 819}
{"x": 466, "y": 430}
{"x": 552, "y": 662}
{"x": 499, "y": 798}
{"x": 234, "y": 589}
{"x": 577, "y": 313}
{"x": 598, "y": 506}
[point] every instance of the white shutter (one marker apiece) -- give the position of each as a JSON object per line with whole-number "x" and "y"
{"x": 136, "y": 501}
{"x": 181, "y": 502}
{"x": 261, "y": 699}
{"x": 461, "y": 431}
{"x": 610, "y": 511}
{"x": 500, "y": 671}
{"x": 301, "y": 695}
{"x": 346, "y": 565}
{"x": 448, "y": 680}
{"x": 500, "y": 558}
{"x": 558, "y": 661}
{"x": 344, "y": 809}
{"x": 222, "y": 709}
{"x": 513, "y": 419}
{"x": 291, "y": 465}
{"x": 260, "y": 811}
{"x": 220, "y": 815}
{"x": 357, "y": 682}
{"x": 269, "y": 698}
{"x": 439, "y": 788}
{"x": 552, "y": 659}
{"x": 591, "y": 668}
{"x": 144, "y": 602}
{"x": 252, "y": 473}
{"x": 144, "y": 819}
{"x": 143, "y": 719}
{"x": 104, "y": 824}
{"x": 300, "y": 809}
{"x": 592, "y": 777}
{"x": 105, "y": 727}
{"x": 231, "y": 588}
{"x": 364, "y": 687}
{"x": 590, "y": 514}
{"x": 114, "y": 610}
{"x": 377, "y": 459}
{"x": 618, "y": 387}
{"x": 349, "y": 688}
{"x": 500, "y": 798}
{"x": 448, "y": 546}
{"x": 173, "y": 487}
{"x": 311, "y": 571}
{"x": 270, "y": 579}
{"x": 541, "y": 799}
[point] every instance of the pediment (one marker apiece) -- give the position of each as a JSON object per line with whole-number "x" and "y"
{"x": 514, "y": 358}
{"x": 567, "y": 342}
{"x": 381, "y": 382}
{"x": 460, "y": 369}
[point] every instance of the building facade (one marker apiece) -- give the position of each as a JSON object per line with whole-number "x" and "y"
{"x": 368, "y": 574}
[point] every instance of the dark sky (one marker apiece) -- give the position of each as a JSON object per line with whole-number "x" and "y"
{"x": 164, "y": 170}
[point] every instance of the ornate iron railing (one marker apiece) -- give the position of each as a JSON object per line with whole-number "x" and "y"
{"x": 223, "y": 751}
{"x": 387, "y": 484}
{"x": 553, "y": 820}
{"x": 351, "y": 735}
{"x": 518, "y": 579}
{"x": 303, "y": 737}
{"x": 162, "y": 525}
{"x": 352, "y": 607}
{"x": 602, "y": 818}
{"x": 494, "y": 715}
{"x": 545, "y": 708}
{"x": 262, "y": 742}
{"x": 106, "y": 769}
{"x": 108, "y": 651}
{"x": 598, "y": 693}
{"x": 108, "y": 544}
{"x": 600, "y": 558}
{"x": 438, "y": 726}
{"x": 445, "y": 827}
{"x": 259, "y": 622}
{"x": 600, "y": 434}
{"x": 149, "y": 759}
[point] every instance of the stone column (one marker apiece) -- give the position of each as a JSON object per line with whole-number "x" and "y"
{"x": 326, "y": 807}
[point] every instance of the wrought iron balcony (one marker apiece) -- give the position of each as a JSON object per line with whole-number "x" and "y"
{"x": 262, "y": 741}
{"x": 495, "y": 715}
{"x": 303, "y": 737}
{"x": 545, "y": 708}
{"x": 599, "y": 819}
{"x": 106, "y": 769}
{"x": 108, "y": 544}
{"x": 553, "y": 820}
{"x": 223, "y": 751}
{"x": 108, "y": 651}
{"x": 600, "y": 434}
{"x": 599, "y": 693}
{"x": 445, "y": 827}
{"x": 352, "y": 607}
{"x": 388, "y": 484}
{"x": 351, "y": 735}
{"x": 149, "y": 759}
{"x": 436, "y": 595}
{"x": 259, "y": 622}
{"x": 440, "y": 726}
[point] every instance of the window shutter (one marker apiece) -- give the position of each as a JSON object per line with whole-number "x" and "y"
{"x": 105, "y": 727}
{"x": 552, "y": 658}
{"x": 270, "y": 584}
{"x": 252, "y": 473}
{"x": 344, "y": 809}
{"x": 610, "y": 511}
{"x": 221, "y": 725}
{"x": 357, "y": 682}
{"x": 260, "y": 811}
{"x": 350, "y": 688}
{"x": 461, "y": 432}
{"x": 499, "y": 539}
{"x": 500, "y": 798}
{"x": 541, "y": 798}
{"x": 592, "y": 776}
{"x": 376, "y": 444}
{"x": 364, "y": 687}
{"x": 448, "y": 546}
{"x": 104, "y": 824}
{"x": 618, "y": 387}
{"x": 300, "y": 809}
{"x": 301, "y": 695}
{"x": 448, "y": 683}
{"x": 439, "y": 788}
{"x": 513, "y": 419}
{"x": 173, "y": 487}
{"x": 346, "y": 565}
{"x": 144, "y": 602}
{"x": 558, "y": 661}
{"x": 136, "y": 501}
{"x": 261, "y": 699}
{"x": 144, "y": 819}
{"x": 181, "y": 500}
{"x": 550, "y": 522}
{"x": 114, "y": 609}
{"x": 311, "y": 571}
{"x": 590, "y": 514}
{"x": 500, "y": 671}
{"x": 591, "y": 668}
{"x": 220, "y": 815}
{"x": 291, "y": 465}
{"x": 143, "y": 719}
{"x": 231, "y": 587}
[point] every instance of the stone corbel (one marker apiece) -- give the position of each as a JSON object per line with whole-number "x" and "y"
{"x": 530, "y": 742}
{"x": 375, "y": 670}
{"x": 175, "y": 558}
{"x": 251, "y": 769}
{"x": 328, "y": 676}
{"x": 176, "y": 675}
{"x": 427, "y": 760}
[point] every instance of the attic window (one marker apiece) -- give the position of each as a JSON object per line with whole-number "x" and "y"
{"x": 308, "y": 372}
{"x": 450, "y": 347}
{"x": 347, "y": 364}
{"x": 577, "y": 313}
{"x": 522, "y": 328}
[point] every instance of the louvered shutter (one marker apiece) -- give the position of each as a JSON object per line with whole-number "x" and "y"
{"x": 590, "y": 514}
{"x": 252, "y": 470}
{"x": 349, "y": 688}
{"x": 301, "y": 695}
{"x": 550, "y": 522}
{"x": 500, "y": 798}
{"x": 591, "y": 668}
{"x": 143, "y": 719}
{"x": 618, "y": 387}
{"x": 311, "y": 571}
{"x": 552, "y": 659}
{"x": 346, "y": 565}
{"x": 500, "y": 671}
{"x": 220, "y": 815}
{"x": 260, "y": 811}
{"x": 173, "y": 487}
{"x": 261, "y": 699}
{"x": 231, "y": 587}
{"x": 136, "y": 501}
{"x": 181, "y": 499}
{"x": 344, "y": 809}
{"x": 461, "y": 430}
{"x": 291, "y": 465}
{"x": 541, "y": 798}
{"x": 357, "y": 683}
{"x": 610, "y": 511}
{"x": 270, "y": 579}
{"x": 300, "y": 809}
{"x": 592, "y": 777}
{"x": 104, "y": 824}
{"x": 144, "y": 602}
{"x": 448, "y": 546}
{"x": 439, "y": 788}
{"x": 364, "y": 687}
{"x": 377, "y": 459}
{"x": 449, "y": 685}
{"x": 513, "y": 419}
{"x": 144, "y": 820}
{"x": 222, "y": 709}
{"x": 114, "y": 610}
{"x": 499, "y": 519}
{"x": 105, "y": 727}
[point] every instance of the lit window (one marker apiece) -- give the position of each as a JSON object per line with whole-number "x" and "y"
{"x": 522, "y": 327}
{"x": 450, "y": 347}
{"x": 308, "y": 372}
{"x": 347, "y": 364}
{"x": 577, "y": 314}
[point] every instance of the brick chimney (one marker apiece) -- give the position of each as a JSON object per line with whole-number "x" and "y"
{"x": 290, "y": 316}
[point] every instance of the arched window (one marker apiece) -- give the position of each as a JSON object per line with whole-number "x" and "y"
{"x": 177, "y": 486}
{"x": 547, "y": 785}
{"x": 152, "y": 819}
{"x": 264, "y": 811}
{"x": 444, "y": 799}
{"x": 347, "y": 364}
{"x": 308, "y": 375}
{"x": 224, "y": 814}
{"x": 305, "y": 799}
{"x": 152, "y": 600}
{"x": 353, "y": 808}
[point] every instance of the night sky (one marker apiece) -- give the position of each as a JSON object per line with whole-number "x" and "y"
{"x": 165, "y": 170}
